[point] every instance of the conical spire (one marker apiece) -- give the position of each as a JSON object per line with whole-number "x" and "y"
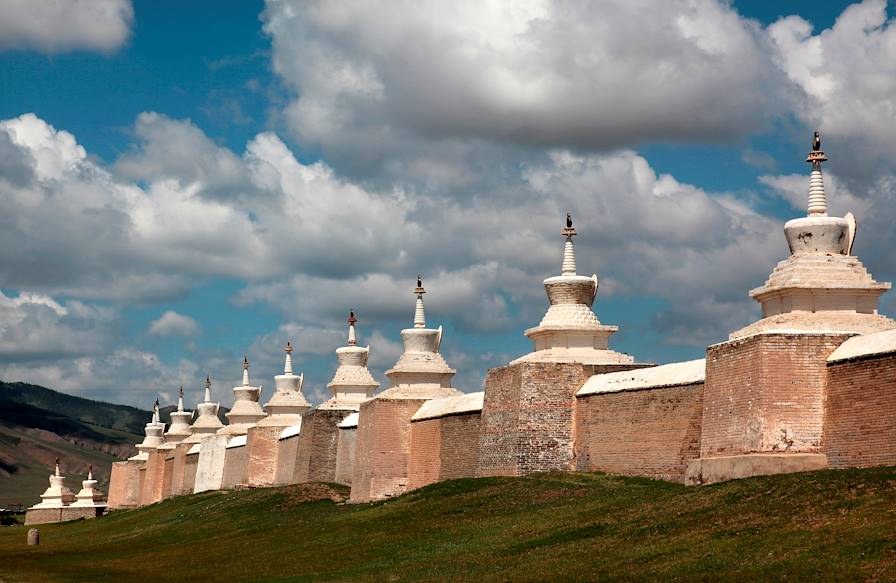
{"x": 208, "y": 389}
{"x": 90, "y": 472}
{"x": 245, "y": 372}
{"x": 287, "y": 366}
{"x": 419, "y": 313}
{"x": 57, "y": 468}
{"x": 180, "y": 399}
{"x": 818, "y": 203}
{"x": 352, "y": 341}
{"x": 155, "y": 412}
{"x": 569, "y": 253}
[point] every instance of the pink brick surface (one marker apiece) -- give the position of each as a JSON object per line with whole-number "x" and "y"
{"x": 316, "y": 450}
{"x": 444, "y": 448}
{"x": 652, "y": 432}
{"x": 346, "y": 444}
{"x": 263, "y": 445}
{"x": 236, "y": 464}
{"x": 860, "y": 412}
{"x": 765, "y": 393}
{"x": 124, "y": 485}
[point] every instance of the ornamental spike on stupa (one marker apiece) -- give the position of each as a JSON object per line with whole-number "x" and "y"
{"x": 570, "y": 331}
{"x": 352, "y": 383}
{"x": 287, "y": 403}
{"x": 246, "y": 412}
{"x": 89, "y": 496}
{"x": 154, "y": 431}
{"x": 207, "y": 422}
{"x": 821, "y": 286}
{"x": 420, "y": 372}
{"x": 180, "y": 428}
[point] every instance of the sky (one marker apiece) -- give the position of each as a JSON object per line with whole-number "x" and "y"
{"x": 183, "y": 184}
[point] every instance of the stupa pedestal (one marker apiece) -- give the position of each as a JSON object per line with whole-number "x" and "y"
{"x": 352, "y": 385}
{"x": 272, "y": 459}
{"x": 764, "y": 398}
{"x": 384, "y": 423}
{"x": 528, "y": 411}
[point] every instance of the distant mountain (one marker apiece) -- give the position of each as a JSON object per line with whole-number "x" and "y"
{"x": 38, "y": 424}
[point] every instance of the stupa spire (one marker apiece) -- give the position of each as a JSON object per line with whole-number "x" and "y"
{"x": 352, "y": 341}
{"x": 818, "y": 203}
{"x": 245, "y": 372}
{"x": 419, "y": 313}
{"x": 57, "y": 468}
{"x": 90, "y": 472}
{"x": 180, "y": 399}
{"x": 287, "y": 366}
{"x": 155, "y": 412}
{"x": 208, "y": 389}
{"x": 569, "y": 253}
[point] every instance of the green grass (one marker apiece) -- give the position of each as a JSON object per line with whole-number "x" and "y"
{"x": 831, "y": 525}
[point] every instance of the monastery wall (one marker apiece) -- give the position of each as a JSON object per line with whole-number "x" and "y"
{"x": 346, "y": 444}
{"x": 124, "y": 485}
{"x": 210, "y": 468}
{"x": 444, "y": 448}
{"x": 316, "y": 451}
{"x": 861, "y": 402}
{"x": 765, "y": 393}
{"x": 151, "y": 489}
{"x": 286, "y": 458}
{"x": 383, "y": 448}
{"x": 236, "y": 463}
{"x": 263, "y": 452}
{"x": 191, "y": 464}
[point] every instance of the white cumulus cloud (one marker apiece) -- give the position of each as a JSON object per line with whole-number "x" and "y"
{"x": 173, "y": 324}
{"x": 55, "y": 26}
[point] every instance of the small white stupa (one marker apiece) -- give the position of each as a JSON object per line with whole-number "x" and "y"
{"x": 569, "y": 331}
{"x": 352, "y": 384}
{"x": 154, "y": 430}
{"x": 288, "y": 403}
{"x": 821, "y": 286}
{"x": 180, "y": 424}
{"x": 246, "y": 411}
{"x": 57, "y": 495}
{"x": 89, "y": 496}
{"x": 421, "y": 372}
{"x": 207, "y": 422}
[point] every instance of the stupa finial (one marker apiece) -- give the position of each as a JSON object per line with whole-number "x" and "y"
{"x": 352, "y": 341}
{"x": 569, "y": 254}
{"x": 57, "y": 468}
{"x": 245, "y": 372}
{"x": 818, "y": 203}
{"x": 155, "y": 412}
{"x": 180, "y": 399}
{"x": 90, "y": 472}
{"x": 419, "y": 313}
{"x": 287, "y": 366}
{"x": 208, "y": 389}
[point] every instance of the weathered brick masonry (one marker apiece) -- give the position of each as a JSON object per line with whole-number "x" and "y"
{"x": 444, "y": 448}
{"x": 316, "y": 452}
{"x": 124, "y": 485}
{"x": 649, "y": 432}
{"x": 527, "y": 417}
{"x": 860, "y": 425}
{"x": 765, "y": 393}
{"x": 346, "y": 445}
{"x": 263, "y": 445}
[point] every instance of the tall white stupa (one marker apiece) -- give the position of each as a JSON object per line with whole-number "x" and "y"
{"x": 154, "y": 431}
{"x": 180, "y": 428}
{"x": 287, "y": 403}
{"x": 207, "y": 422}
{"x": 246, "y": 411}
{"x": 821, "y": 286}
{"x": 352, "y": 383}
{"x": 420, "y": 371}
{"x": 58, "y": 494}
{"x": 569, "y": 331}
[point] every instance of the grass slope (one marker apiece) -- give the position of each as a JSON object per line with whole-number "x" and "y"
{"x": 835, "y": 525}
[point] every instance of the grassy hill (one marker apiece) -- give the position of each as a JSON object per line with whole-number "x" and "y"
{"x": 831, "y": 525}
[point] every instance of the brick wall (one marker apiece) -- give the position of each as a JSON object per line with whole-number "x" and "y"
{"x": 42, "y": 516}
{"x": 263, "y": 445}
{"x": 124, "y": 485}
{"x": 151, "y": 489}
{"x": 176, "y": 486}
{"x": 444, "y": 448}
{"x": 346, "y": 442}
{"x": 765, "y": 393}
{"x": 527, "y": 416}
{"x": 286, "y": 460}
{"x": 860, "y": 411}
{"x": 236, "y": 464}
{"x": 316, "y": 451}
{"x": 383, "y": 448}
{"x": 651, "y": 432}
{"x": 191, "y": 463}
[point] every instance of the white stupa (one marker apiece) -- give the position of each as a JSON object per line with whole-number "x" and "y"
{"x": 154, "y": 431}
{"x": 569, "y": 331}
{"x": 207, "y": 422}
{"x": 352, "y": 384}
{"x": 246, "y": 411}
{"x": 89, "y": 496}
{"x": 180, "y": 428}
{"x": 288, "y": 403}
{"x": 421, "y": 372}
{"x": 57, "y": 495}
{"x": 821, "y": 286}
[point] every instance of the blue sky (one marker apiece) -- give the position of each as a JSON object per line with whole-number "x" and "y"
{"x": 454, "y": 151}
